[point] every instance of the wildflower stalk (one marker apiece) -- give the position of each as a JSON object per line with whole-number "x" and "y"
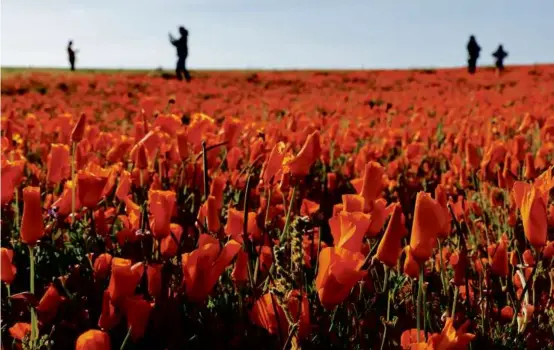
{"x": 441, "y": 269}
{"x": 419, "y": 300}
{"x": 34, "y": 325}
{"x": 454, "y": 302}
{"x": 287, "y": 221}
{"x": 205, "y": 165}
{"x": 126, "y": 339}
{"x": 389, "y": 297}
{"x": 245, "y": 231}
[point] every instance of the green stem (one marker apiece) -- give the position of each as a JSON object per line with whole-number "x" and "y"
{"x": 126, "y": 338}
{"x": 34, "y": 325}
{"x": 454, "y": 302}
{"x": 386, "y": 279}
{"x": 388, "y": 319}
{"x": 419, "y": 299}
{"x": 287, "y": 221}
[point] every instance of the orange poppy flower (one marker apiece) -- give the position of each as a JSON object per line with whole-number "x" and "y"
{"x": 120, "y": 149}
{"x": 203, "y": 266}
{"x": 141, "y": 160}
{"x": 12, "y": 174}
{"x": 169, "y": 245}
{"x": 63, "y": 203}
{"x": 348, "y": 230}
{"x": 210, "y": 212}
{"x": 308, "y": 208}
{"x": 472, "y": 155}
{"x": 390, "y": 246}
{"x": 58, "y": 167}
{"x": 499, "y": 256}
{"x": 216, "y": 189}
{"x": 459, "y": 263}
{"x": 124, "y": 279}
{"x": 161, "y": 204}
{"x": 269, "y": 314}
{"x": 377, "y": 217}
{"x": 353, "y": 203}
{"x": 79, "y": 129}
{"x": 234, "y": 156}
{"x": 411, "y": 266}
{"x": 8, "y": 270}
{"x": 137, "y": 312}
{"x": 428, "y": 222}
{"x": 533, "y": 215}
{"x": 274, "y": 163}
{"x": 109, "y": 317}
{"x": 409, "y": 338}
{"x": 154, "y": 276}
{"x": 20, "y": 330}
{"x": 441, "y": 198}
{"x": 338, "y": 271}
{"x": 124, "y": 185}
{"x": 310, "y": 152}
{"x": 240, "y": 271}
{"x": 102, "y": 266}
{"x": 451, "y": 338}
{"x": 32, "y": 226}
{"x": 49, "y": 304}
{"x": 372, "y": 184}
{"x": 93, "y": 339}
{"x": 91, "y": 185}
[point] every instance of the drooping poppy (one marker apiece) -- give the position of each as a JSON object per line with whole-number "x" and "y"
{"x": 308, "y": 207}
{"x": 32, "y": 226}
{"x": 390, "y": 246}
{"x": 338, "y": 271}
{"x": 161, "y": 205}
{"x": 377, "y": 217}
{"x": 300, "y": 165}
{"x": 203, "y": 266}
{"x": 240, "y": 270}
{"x": 273, "y": 163}
{"x": 459, "y": 262}
{"x": 8, "y": 270}
{"x": 93, "y": 339}
{"x": 441, "y": 198}
{"x": 411, "y": 266}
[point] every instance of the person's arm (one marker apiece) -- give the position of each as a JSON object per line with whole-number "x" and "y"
{"x": 172, "y": 39}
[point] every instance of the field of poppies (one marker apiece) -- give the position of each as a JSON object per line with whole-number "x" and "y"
{"x": 278, "y": 210}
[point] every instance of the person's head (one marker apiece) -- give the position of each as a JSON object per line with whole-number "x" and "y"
{"x": 70, "y": 42}
{"x": 500, "y": 47}
{"x": 182, "y": 30}
{"x": 472, "y": 38}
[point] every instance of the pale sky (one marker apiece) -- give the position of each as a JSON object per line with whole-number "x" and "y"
{"x": 275, "y": 34}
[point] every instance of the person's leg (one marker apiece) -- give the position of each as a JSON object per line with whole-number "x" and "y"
{"x": 187, "y": 74}
{"x": 72, "y": 63}
{"x": 178, "y": 69}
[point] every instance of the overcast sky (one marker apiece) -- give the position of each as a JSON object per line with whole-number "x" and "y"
{"x": 275, "y": 34}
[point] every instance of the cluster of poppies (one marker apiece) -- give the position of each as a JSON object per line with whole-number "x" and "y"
{"x": 405, "y": 209}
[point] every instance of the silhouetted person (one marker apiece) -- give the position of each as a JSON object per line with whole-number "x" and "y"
{"x": 182, "y": 52}
{"x": 71, "y": 53}
{"x": 473, "y": 50}
{"x": 500, "y": 55}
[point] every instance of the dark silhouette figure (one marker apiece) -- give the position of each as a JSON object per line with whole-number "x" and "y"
{"x": 473, "y": 50}
{"x": 182, "y": 52}
{"x": 71, "y": 53}
{"x": 500, "y": 55}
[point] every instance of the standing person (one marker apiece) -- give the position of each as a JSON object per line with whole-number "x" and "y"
{"x": 500, "y": 55}
{"x": 71, "y": 53}
{"x": 473, "y": 50}
{"x": 182, "y": 52}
